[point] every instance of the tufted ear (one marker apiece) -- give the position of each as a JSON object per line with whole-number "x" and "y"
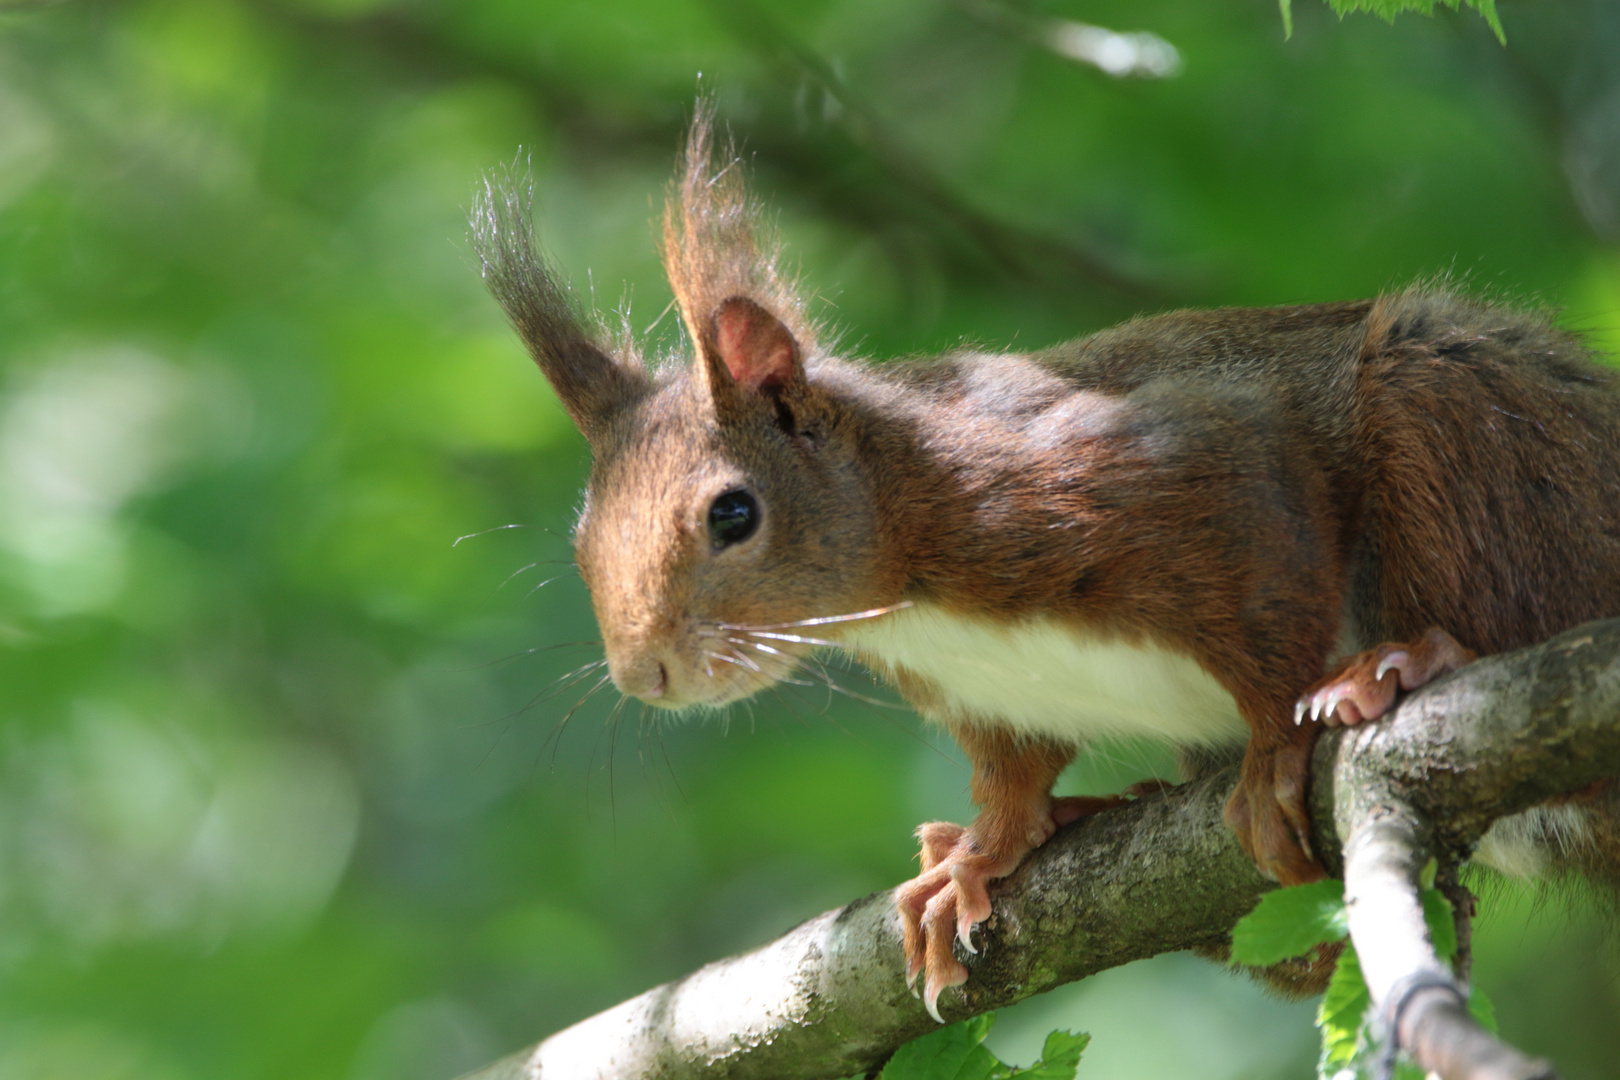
{"x": 592, "y": 385}
{"x": 749, "y": 349}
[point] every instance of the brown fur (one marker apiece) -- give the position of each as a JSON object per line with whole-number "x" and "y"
{"x": 1231, "y": 485}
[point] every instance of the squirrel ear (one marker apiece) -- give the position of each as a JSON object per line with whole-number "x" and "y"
{"x": 753, "y": 346}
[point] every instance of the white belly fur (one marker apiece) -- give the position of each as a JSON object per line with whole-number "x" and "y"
{"x": 1045, "y": 678}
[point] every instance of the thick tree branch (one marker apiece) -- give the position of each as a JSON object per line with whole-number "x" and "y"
{"x": 1161, "y": 874}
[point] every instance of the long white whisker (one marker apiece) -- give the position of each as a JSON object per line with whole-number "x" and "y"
{"x": 573, "y": 679}
{"x": 485, "y": 532}
{"x": 796, "y": 638}
{"x": 542, "y": 585}
{"x": 791, "y": 666}
{"x": 820, "y": 620}
{"x": 761, "y": 646}
{"x": 513, "y": 574}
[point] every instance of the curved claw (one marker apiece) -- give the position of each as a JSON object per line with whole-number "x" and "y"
{"x": 931, "y": 1002}
{"x": 1397, "y": 660}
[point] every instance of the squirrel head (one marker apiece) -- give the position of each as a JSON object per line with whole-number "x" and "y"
{"x": 727, "y": 503}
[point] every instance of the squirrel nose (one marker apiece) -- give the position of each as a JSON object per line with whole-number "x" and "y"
{"x": 645, "y": 677}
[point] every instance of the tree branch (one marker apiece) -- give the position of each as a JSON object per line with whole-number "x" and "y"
{"x": 1161, "y": 874}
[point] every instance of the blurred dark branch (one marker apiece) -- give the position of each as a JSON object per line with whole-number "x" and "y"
{"x": 1159, "y": 875}
{"x": 1022, "y": 253}
{"x": 886, "y": 186}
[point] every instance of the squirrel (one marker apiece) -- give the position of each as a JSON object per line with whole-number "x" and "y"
{"x": 1170, "y": 528}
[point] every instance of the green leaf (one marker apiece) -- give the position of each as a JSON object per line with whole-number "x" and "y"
{"x": 951, "y": 1053}
{"x": 1341, "y": 1012}
{"x": 1481, "y": 1009}
{"x": 1442, "y": 927}
{"x": 957, "y": 1053}
{"x": 1290, "y": 922}
{"x": 1287, "y": 8}
{"x": 1388, "y": 9}
{"x": 1060, "y": 1057}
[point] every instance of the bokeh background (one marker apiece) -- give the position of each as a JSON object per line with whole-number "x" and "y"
{"x": 284, "y": 785}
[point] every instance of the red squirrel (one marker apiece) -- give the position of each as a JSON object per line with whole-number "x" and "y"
{"x": 1169, "y": 528}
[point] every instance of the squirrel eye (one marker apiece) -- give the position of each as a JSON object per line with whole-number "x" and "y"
{"x": 733, "y": 517}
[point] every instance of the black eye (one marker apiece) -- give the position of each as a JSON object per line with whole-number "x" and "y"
{"x": 733, "y": 518}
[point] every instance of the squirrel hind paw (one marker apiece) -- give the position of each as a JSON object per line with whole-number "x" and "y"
{"x": 1364, "y": 686}
{"x": 1267, "y": 811}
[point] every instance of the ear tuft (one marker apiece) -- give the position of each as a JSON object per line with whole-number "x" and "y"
{"x": 755, "y": 346}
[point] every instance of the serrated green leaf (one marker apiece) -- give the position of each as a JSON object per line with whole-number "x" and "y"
{"x": 1481, "y": 1009}
{"x": 1341, "y": 1012}
{"x": 1442, "y": 926}
{"x": 951, "y": 1053}
{"x": 1290, "y": 922}
{"x": 1060, "y": 1057}
{"x": 1388, "y": 9}
{"x": 957, "y": 1053}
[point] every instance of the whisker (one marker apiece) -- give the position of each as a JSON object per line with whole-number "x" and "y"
{"x": 796, "y": 638}
{"x": 792, "y": 661}
{"x": 578, "y": 675}
{"x": 669, "y": 766}
{"x": 527, "y": 652}
{"x": 555, "y": 738}
{"x": 543, "y": 584}
{"x": 791, "y": 706}
{"x": 513, "y": 574}
{"x": 761, "y": 646}
{"x": 485, "y": 532}
{"x": 613, "y": 747}
{"x": 832, "y": 684}
{"x": 821, "y": 620}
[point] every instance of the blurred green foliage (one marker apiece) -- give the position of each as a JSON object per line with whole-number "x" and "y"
{"x": 285, "y": 788}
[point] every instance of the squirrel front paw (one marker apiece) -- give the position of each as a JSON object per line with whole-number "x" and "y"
{"x": 942, "y": 905}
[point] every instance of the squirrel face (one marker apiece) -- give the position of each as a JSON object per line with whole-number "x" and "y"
{"x": 730, "y": 498}
{"x": 723, "y": 506}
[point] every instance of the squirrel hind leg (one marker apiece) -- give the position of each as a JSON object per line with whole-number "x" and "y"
{"x": 1267, "y": 811}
